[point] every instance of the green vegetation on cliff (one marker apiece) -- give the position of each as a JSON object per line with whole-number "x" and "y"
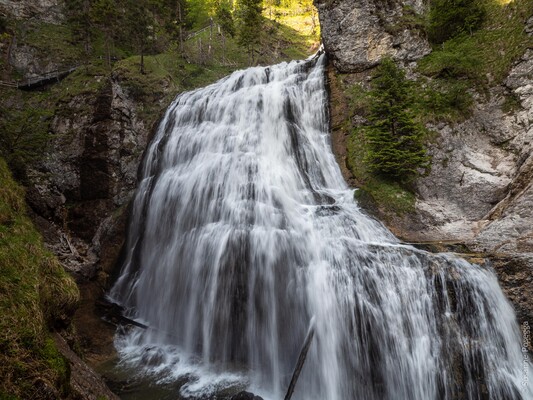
{"x": 483, "y": 55}
{"x": 449, "y": 18}
{"x": 395, "y": 141}
{"x": 178, "y": 47}
{"x": 475, "y": 44}
{"x": 36, "y": 295}
{"x": 387, "y": 151}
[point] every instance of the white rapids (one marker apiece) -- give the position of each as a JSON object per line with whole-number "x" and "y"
{"x": 243, "y": 229}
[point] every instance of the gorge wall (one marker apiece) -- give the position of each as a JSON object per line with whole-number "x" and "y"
{"x": 479, "y": 191}
{"x": 356, "y": 34}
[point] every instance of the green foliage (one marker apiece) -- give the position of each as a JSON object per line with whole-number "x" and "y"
{"x": 249, "y": 22}
{"x": 139, "y": 27}
{"x": 442, "y": 100}
{"x": 457, "y": 58}
{"x": 198, "y": 13}
{"x": 449, "y": 18}
{"x": 35, "y": 293}
{"x": 24, "y": 137}
{"x": 391, "y": 197}
{"x": 224, "y": 17}
{"x": 395, "y": 140}
{"x": 487, "y": 54}
{"x": 78, "y": 13}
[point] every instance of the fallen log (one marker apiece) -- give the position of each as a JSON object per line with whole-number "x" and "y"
{"x": 301, "y": 359}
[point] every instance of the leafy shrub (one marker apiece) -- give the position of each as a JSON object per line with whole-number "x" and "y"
{"x": 24, "y": 137}
{"x": 444, "y": 100}
{"x": 449, "y": 18}
{"x": 458, "y": 58}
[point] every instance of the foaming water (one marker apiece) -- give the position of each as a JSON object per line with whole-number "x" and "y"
{"x": 243, "y": 229}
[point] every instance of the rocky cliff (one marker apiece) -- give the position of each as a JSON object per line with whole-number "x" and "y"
{"x": 356, "y": 34}
{"x": 79, "y": 187}
{"x": 479, "y": 191}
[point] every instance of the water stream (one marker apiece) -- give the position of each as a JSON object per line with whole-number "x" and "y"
{"x": 243, "y": 229}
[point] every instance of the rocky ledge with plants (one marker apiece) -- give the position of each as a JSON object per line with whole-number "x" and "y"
{"x": 466, "y": 93}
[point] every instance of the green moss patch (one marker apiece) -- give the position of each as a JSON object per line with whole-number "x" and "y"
{"x": 487, "y": 54}
{"x": 35, "y": 295}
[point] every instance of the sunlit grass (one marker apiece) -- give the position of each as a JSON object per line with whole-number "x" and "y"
{"x": 302, "y": 20}
{"x": 486, "y": 55}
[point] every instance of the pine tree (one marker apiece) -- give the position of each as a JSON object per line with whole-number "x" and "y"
{"x": 79, "y": 19}
{"x": 224, "y": 17}
{"x": 139, "y": 22}
{"x": 107, "y": 17}
{"x": 249, "y": 22}
{"x": 395, "y": 141}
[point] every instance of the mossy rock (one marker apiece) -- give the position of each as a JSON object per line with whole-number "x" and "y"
{"x": 35, "y": 295}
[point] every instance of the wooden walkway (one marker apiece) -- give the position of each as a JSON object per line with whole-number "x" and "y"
{"x": 40, "y": 80}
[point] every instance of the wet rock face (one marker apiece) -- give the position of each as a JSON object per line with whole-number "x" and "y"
{"x": 80, "y": 191}
{"x": 358, "y": 33}
{"x": 245, "y": 396}
{"x": 515, "y": 273}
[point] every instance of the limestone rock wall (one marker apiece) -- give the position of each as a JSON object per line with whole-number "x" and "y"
{"x": 86, "y": 181}
{"x": 358, "y": 33}
{"x": 480, "y": 188}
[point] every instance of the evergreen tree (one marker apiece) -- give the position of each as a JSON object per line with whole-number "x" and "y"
{"x": 395, "y": 141}
{"x": 24, "y": 136}
{"x": 249, "y": 23}
{"x": 106, "y": 15}
{"x": 198, "y": 13}
{"x": 79, "y": 19}
{"x": 139, "y": 22}
{"x": 449, "y": 18}
{"x": 224, "y": 17}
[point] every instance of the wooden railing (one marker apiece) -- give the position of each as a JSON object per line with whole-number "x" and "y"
{"x": 39, "y": 80}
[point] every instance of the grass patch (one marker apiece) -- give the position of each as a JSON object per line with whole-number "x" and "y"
{"x": 35, "y": 294}
{"x": 488, "y": 53}
{"x": 442, "y": 100}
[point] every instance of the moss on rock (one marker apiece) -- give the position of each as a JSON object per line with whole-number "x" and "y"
{"x": 36, "y": 295}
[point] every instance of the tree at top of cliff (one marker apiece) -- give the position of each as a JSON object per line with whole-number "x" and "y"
{"x": 395, "y": 141}
{"x": 249, "y": 22}
{"x": 449, "y": 18}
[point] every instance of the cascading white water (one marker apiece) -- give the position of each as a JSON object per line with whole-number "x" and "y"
{"x": 243, "y": 229}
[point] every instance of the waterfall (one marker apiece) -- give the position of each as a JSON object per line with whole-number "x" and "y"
{"x": 243, "y": 230}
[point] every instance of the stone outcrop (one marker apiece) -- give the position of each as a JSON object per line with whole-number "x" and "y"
{"x": 29, "y": 61}
{"x": 480, "y": 188}
{"x": 79, "y": 190}
{"x": 42, "y": 10}
{"x": 358, "y": 33}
